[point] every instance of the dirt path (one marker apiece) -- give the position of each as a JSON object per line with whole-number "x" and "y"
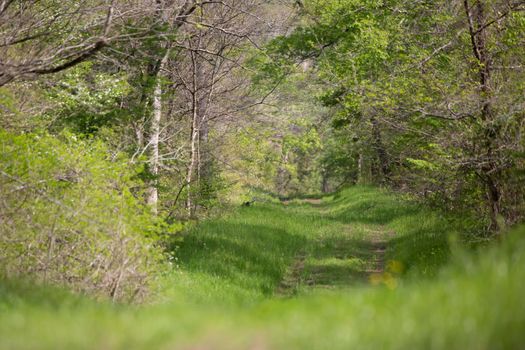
{"x": 313, "y": 201}
{"x": 377, "y": 251}
{"x": 292, "y": 278}
{"x": 356, "y": 254}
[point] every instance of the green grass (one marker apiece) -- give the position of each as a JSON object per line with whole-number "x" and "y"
{"x": 298, "y": 277}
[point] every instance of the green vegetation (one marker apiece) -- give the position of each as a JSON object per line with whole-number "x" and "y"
{"x": 277, "y": 174}
{"x": 233, "y": 287}
{"x": 71, "y": 216}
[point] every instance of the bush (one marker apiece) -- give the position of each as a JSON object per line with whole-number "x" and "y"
{"x": 68, "y": 216}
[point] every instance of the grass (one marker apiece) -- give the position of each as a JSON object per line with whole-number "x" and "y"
{"x": 361, "y": 269}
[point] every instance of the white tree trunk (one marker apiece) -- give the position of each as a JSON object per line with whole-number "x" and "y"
{"x": 193, "y": 160}
{"x": 361, "y": 170}
{"x": 152, "y": 192}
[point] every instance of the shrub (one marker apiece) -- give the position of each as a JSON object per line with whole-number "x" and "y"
{"x": 68, "y": 216}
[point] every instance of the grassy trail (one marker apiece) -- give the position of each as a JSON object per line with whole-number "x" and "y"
{"x": 300, "y": 246}
{"x": 363, "y": 269}
{"x": 342, "y": 259}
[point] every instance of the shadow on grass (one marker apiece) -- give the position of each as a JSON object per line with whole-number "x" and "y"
{"x": 343, "y": 261}
{"x": 255, "y": 248}
{"x": 327, "y": 275}
{"x": 347, "y": 248}
{"x": 423, "y": 251}
{"x": 240, "y": 252}
{"x": 420, "y": 236}
{"x": 369, "y": 206}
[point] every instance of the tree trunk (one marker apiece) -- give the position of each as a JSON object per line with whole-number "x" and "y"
{"x": 194, "y": 135}
{"x": 200, "y": 158}
{"x": 193, "y": 160}
{"x": 489, "y": 167}
{"x": 325, "y": 187}
{"x": 204, "y": 166}
{"x": 283, "y": 177}
{"x": 152, "y": 192}
{"x": 362, "y": 177}
{"x": 382, "y": 156}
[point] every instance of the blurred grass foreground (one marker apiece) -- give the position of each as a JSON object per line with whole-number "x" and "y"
{"x": 361, "y": 269}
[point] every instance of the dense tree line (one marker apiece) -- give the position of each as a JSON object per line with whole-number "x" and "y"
{"x": 427, "y": 96}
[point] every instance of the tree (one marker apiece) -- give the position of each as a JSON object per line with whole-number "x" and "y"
{"x": 44, "y": 37}
{"x": 419, "y": 95}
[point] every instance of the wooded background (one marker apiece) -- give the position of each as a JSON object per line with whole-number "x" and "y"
{"x": 123, "y": 120}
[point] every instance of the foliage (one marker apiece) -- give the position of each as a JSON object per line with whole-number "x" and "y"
{"x": 409, "y": 107}
{"x": 86, "y": 99}
{"x": 71, "y": 216}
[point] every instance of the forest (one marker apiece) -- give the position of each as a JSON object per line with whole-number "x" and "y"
{"x": 262, "y": 174}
